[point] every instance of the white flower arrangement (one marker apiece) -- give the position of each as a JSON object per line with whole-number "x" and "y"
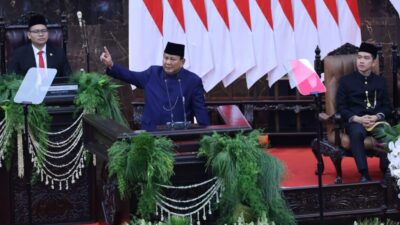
{"x": 394, "y": 159}
{"x": 391, "y": 136}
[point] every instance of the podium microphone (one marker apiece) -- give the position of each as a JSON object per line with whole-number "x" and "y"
{"x": 79, "y": 15}
{"x": 186, "y": 123}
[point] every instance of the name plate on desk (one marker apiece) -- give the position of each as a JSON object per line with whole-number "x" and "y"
{"x": 61, "y": 93}
{"x": 59, "y": 89}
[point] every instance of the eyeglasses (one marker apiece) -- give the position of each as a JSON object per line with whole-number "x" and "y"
{"x": 44, "y": 31}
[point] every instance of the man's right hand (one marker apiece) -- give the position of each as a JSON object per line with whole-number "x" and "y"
{"x": 106, "y": 58}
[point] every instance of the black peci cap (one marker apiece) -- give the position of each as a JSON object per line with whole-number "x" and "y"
{"x": 370, "y": 48}
{"x": 37, "y": 19}
{"x": 175, "y": 49}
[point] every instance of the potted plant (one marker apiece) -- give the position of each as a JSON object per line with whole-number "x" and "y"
{"x": 140, "y": 164}
{"x": 250, "y": 177}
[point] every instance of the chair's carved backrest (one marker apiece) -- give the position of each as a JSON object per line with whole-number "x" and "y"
{"x": 15, "y": 35}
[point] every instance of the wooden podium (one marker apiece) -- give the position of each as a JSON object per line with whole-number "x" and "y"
{"x": 48, "y": 206}
{"x": 100, "y": 134}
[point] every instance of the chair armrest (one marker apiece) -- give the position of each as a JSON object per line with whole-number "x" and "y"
{"x": 337, "y": 118}
{"x": 336, "y": 121}
{"x": 334, "y": 118}
{"x": 339, "y": 125}
{"x": 324, "y": 117}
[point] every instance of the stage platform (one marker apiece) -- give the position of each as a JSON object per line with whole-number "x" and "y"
{"x": 342, "y": 203}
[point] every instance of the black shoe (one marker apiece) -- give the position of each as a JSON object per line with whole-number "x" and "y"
{"x": 365, "y": 179}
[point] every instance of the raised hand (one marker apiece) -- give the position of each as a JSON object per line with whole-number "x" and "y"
{"x": 106, "y": 58}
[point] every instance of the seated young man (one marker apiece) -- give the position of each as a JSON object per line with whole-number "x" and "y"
{"x": 362, "y": 100}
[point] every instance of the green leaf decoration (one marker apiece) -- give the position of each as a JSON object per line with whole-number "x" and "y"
{"x": 139, "y": 165}
{"x": 98, "y": 94}
{"x": 385, "y": 133}
{"x": 250, "y": 177}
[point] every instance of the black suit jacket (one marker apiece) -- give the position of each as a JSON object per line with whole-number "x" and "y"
{"x": 23, "y": 59}
{"x": 351, "y": 98}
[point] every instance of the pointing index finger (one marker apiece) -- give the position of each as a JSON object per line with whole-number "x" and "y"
{"x": 106, "y": 50}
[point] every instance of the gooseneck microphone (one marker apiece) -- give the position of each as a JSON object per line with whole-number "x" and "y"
{"x": 176, "y": 124}
{"x": 170, "y": 104}
{"x": 183, "y": 102}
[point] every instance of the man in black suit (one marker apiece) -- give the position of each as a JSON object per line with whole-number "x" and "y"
{"x": 38, "y": 53}
{"x": 362, "y": 100}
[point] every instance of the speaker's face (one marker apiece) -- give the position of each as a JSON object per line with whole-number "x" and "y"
{"x": 38, "y": 34}
{"x": 172, "y": 64}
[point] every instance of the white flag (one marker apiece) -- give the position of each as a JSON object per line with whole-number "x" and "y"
{"x": 242, "y": 40}
{"x": 328, "y": 28}
{"x": 263, "y": 40}
{"x": 349, "y": 22}
{"x": 174, "y": 26}
{"x": 145, "y": 34}
{"x": 396, "y": 5}
{"x": 284, "y": 37}
{"x": 306, "y": 31}
{"x": 197, "y": 37}
{"x": 220, "y": 42}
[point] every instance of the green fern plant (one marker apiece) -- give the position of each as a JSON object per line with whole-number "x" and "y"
{"x": 176, "y": 220}
{"x": 140, "y": 164}
{"x": 250, "y": 177}
{"x": 98, "y": 94}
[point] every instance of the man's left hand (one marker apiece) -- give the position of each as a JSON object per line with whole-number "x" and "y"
{"x": 371, "y": 120}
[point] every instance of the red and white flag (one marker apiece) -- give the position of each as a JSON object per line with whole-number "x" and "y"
{"x": 328, "y": 26}
{"x": 263, "y": 40}
{"x": 221, "y": 45}
{"x": 349, "y": 22}
{"x": 306, "y": 28}
{"x": 242, "y": 40}
{"x": 396, "y": 5}
{"x": 303, "y": 76}
{"x": 145, "y": 34}
{"x": 197, "y": 37}
{"x": 284, "y": 37}
{"x": 174, "y": 26}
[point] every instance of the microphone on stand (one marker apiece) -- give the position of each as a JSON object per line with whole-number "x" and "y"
{"x": 177, "y": 124}
{"x": 79, "y": 15}
{"x": 186, "y": 123}
{"x": 82, "y": 25}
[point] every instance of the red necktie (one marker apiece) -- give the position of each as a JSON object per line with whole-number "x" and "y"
{"x": 41, "y": 60}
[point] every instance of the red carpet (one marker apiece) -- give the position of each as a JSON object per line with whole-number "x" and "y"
{"x": 301, "y": 164}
